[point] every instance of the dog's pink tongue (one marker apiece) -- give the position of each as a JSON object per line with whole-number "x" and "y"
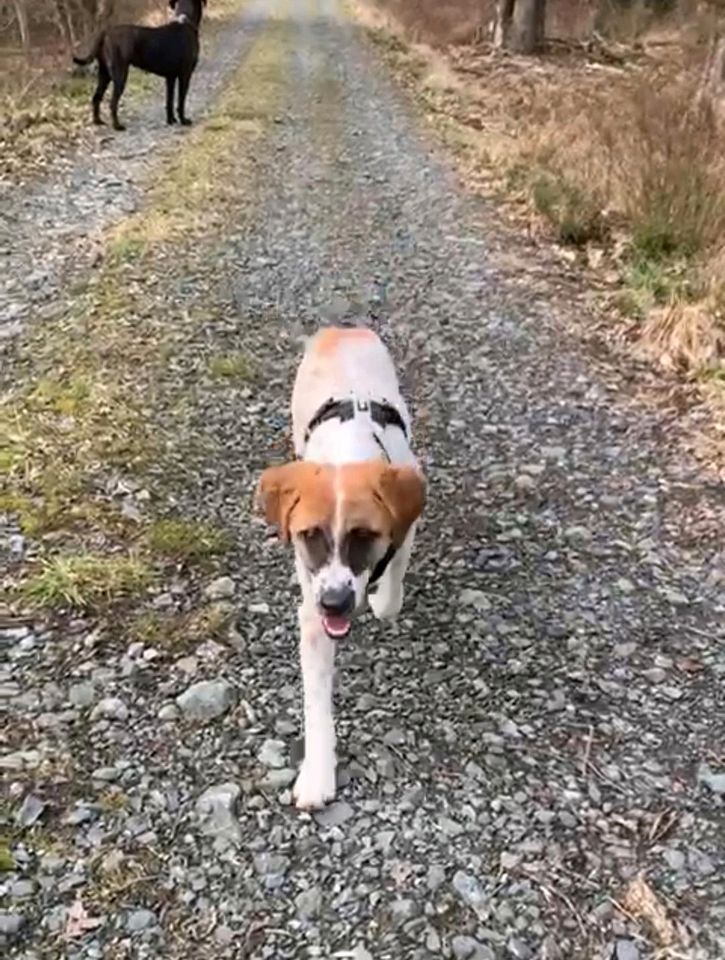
{"x": 336, "y": 626}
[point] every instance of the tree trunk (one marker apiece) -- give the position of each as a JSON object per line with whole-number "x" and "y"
{"x": 502, "y": 23}
{"x": 21, "y": 15}
{"x": 527, "y": 27}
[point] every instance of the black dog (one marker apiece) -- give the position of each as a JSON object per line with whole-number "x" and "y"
{"x": 170, "y": 51}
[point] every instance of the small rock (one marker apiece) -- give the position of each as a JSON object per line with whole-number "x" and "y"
{"x": 335, "y": 814}
{"x": 272, "y": 753}
{"x": 260, "y": 607}
{"x": 81, "y": 694}
{"x": 272, "y": 867}
{"x": 464, "y": 947}
{"x": 169, "y": 711}
{"x": 216, "y": 808}
{"x": 578, "y": 536}
{"x": 278, "y": 779}
{"x": 714, "y": 781}
{"x": 518, "y": 949}
{"x": 524, "y": 484}
{"x": 139, "y": 920}
{"x": 110, "y": 708}
{"x": 223, "y": 935}
{"x": 626, "y": 950}
{"x": 30, "y": 811}
{"x": 469, "y": 889}
{"x": 309, "y": 903}
{"x": 223, "y": 588}
{"x": 436, "y": 877}
{"x": 675, "y": 858}
{"x": 474, "y": 598}
{"x": 10, "y": 923}
{"x": 656, "y": 675}
{"x": 22, "y": 889}
{"x": 207, "y": 699}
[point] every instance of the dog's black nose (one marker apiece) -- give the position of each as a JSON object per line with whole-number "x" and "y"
{"x": 338, "y": 601}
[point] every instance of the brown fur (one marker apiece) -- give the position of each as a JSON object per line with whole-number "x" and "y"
{"x": 384, "y": 499}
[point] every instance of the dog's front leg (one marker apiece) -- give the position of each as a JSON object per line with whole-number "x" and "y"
{"x": 387, "y": 598}
{"x": 316, "y": 780}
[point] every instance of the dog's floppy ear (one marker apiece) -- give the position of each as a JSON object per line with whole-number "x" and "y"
{"x": 172, "y": 3}
{"x": 281, "y": 489}
{"x": 402, "y": 490}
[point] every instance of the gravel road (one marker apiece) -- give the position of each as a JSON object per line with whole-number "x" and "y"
{"x": 545, "y": 723}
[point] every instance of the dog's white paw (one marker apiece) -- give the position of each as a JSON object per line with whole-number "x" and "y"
{"x": 387, "y": 601}
{"x": 315, "y": 785}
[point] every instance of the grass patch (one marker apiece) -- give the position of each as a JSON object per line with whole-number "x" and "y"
{"x": 7, "y": 860}
{"x": 177, "y": 632}
{"x": 575, "y": 216}
{"x": 237, "y": 366}
{"x": 187, "y": 540}
{"x": 82, "y": 581}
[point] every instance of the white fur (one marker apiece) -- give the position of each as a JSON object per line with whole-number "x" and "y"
{"x": 363, "y": 371}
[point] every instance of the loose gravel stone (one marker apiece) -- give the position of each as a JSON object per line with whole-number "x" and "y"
{"x": 309, "y": 903}
{"x": 627, "y": 950}
{"x": 334, "y": 815}
{"x": 223, "y": 588}
{"x": 207, "y": 699}
{"x": 82, "y": 694}
{"x": 30, "y": 811}
{"x": 10, "y": 923}
{"x": 139, "y": 920}
{"x": 216, "y": 808}
{"x": 110, "y": 708}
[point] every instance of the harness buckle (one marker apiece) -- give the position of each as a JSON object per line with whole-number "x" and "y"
{"x": 363, "y": 406}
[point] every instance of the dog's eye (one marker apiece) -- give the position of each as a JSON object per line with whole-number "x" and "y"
{"x": 363, "y": 534}
{"x": 312, "y": 534}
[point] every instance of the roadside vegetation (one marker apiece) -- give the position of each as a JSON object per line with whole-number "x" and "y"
{"x": 608, "y": 141}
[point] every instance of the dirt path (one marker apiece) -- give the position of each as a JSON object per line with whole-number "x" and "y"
{"x": 546, "y": 720}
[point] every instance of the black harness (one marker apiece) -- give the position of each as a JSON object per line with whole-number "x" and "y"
{"x": 384, "y": 415}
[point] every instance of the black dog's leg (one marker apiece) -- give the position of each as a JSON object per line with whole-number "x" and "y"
{"x": 183, "y": 90}
{"x": 104, "y": 78}
{"x": 170, "y": 81}
{"x": 119, "y": 75}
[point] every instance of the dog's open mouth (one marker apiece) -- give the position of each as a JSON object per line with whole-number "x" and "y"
{"x": 336, "y": 626}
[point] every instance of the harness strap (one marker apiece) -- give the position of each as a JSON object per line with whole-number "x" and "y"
{"x": 383, "y": 414}
{"x": 381, "y": 566}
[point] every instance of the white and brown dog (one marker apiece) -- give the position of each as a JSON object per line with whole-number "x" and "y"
{"x": 350, "y": 506}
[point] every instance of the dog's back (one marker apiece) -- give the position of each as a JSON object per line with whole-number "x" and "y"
{"x": 159, "y": 50}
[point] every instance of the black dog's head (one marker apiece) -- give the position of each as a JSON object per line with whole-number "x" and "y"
{"x": 191, "y": 10}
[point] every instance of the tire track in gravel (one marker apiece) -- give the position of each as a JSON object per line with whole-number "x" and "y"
{"x": 531, "y": 734}
{"x": 50, "y": 231}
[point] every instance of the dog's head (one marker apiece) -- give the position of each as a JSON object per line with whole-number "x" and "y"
{"x": 342, "y": 521}
{"x": 188, "y": 10}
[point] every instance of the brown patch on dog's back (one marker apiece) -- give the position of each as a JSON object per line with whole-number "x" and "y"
{"x": 330, "y": 339}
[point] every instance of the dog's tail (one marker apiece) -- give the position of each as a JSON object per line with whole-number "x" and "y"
{"x": 92, "y": 55}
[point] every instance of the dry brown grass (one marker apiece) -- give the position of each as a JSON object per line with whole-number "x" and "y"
{"x": 603, "y": 147}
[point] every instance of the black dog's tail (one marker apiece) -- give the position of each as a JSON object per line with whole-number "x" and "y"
{"x": 84, "y": 61}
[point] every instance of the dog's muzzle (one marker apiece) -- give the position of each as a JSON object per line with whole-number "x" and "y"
{"x": 337, "y": 605}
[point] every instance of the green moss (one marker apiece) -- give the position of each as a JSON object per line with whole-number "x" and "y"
{"x": 237, "y": 366}
{"x": 7, "y": 860}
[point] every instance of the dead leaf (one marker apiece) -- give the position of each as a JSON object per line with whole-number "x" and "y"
{"x": 641, "y": 901}
{"x": 77, "y": 921}
{"x": 689, "y": 665}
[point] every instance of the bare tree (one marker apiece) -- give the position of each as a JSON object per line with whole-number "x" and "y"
{"x": 21, "y": 16}
{"x": 519, "y": 25}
